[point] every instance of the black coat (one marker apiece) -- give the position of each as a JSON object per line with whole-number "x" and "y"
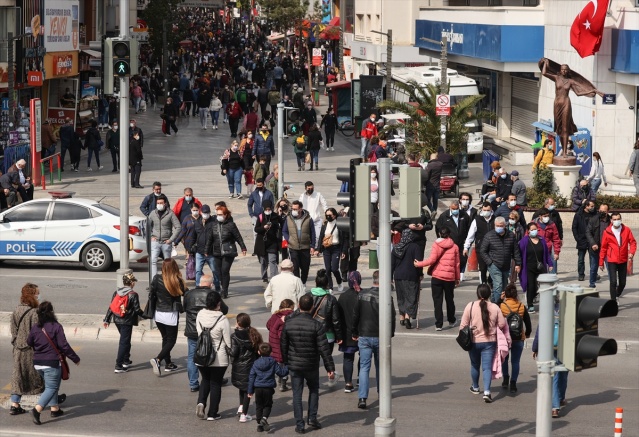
{"x": 594, "y": 231}
{"x": 459, "y": 231}
{"x": 500, "y": 250}
{"x": 267, "y": 241}
{"x": 403, "y": 268}
{"x": 203, "y": 232}
{"x": 314, "y": 138}
{"x": 223, "y": 239}
{"x": 135, "y": 151}
{"x": 91, "y": 139}
{"x": 347, "y": 303}
{"x": 329, "y": 313}
{"x": 366, "y": 314}
{"x": 303, "y": 341}
{"x": 131, "y": 315}
{"x": 580, "y": 228}
{"x": 243, "y": 356}
{"x": 329, "y": 122}
{"x": 164, "y": 301}
{"x": 194, "y": 301}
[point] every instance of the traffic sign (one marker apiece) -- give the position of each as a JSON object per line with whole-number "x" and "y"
{"x": 443, "y": 104}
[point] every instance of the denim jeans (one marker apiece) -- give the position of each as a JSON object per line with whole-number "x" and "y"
{"x": 91, "y": 151}
{"x": 364, "y": 151}
{"x": 594, "y": 263}
{"x": 347, "y": 368}
{"x": 234, "y": 180}
{"x": 368, "y": 349}
{"x": 215, "y": 116}
{"x": 52, "y": 377}
{"x": 312, "y": 381}
{"x": 482, "y": 354}
{"x": 136, "y": 103}
{"x": 156, "y": 249}
{"x": 200, "y": 260}
{"x": 191, "y": 368}
{"x": 331, "y": 263}
{"x": 301, "y": 159}
{"x": 500, "y": 280}
{"x": 203, "y": 117}
{"x": 559, "y": 385}
{"x": 515, "y": 356}
{"x": 432, "y": 196}
{"x": 581, "y": 261}
{"x": 124, "y": 347}
{"x": 315, "y": 156}
{"x": 595, "y": 184}
{"x": 268, "y": 265}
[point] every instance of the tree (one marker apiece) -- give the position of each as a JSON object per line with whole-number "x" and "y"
{"x": 423, "y": 130}
{"x": 154, "y": 14}
{"x": 283, "y": 15}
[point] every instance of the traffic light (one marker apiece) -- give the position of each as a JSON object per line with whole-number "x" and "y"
{"x": 102, "y": 66}
{"x": 579, "y": 342}
{"x": 292, "y": 121}
{"x": 357, "y": 199}
{"x": 121, "y": 51}
{"x": 410, "y": 192}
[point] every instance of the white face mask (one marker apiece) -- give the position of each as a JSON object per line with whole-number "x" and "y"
{"x": 295, "y": 213}
{"x": 545, "y": 219}
{"x": 195, "y": 213}
{"x": 512, "y": 203}
{"x": 616, "y": 223}
{"x": 267, "y": 213}
{"x": 511, "y": 222}
{"x": 485, "y": 213}
{"x": 206, "y": 216}
{"x": 161, "y": 207}
{"x": 114, "y": 127}
{"x": 464, "y": 203}
{"x": 188, "y": 198}
{"x": 131, "y": 125}
{"x": 220, "y": 218}
{"x": 551, "y": 207}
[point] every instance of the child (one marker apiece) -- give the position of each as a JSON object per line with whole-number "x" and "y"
{"x": 275, "y": 325}
{"x": 126, "y": 322}
{"x": 262, "y": 384}
{"x": 245, "y": 342}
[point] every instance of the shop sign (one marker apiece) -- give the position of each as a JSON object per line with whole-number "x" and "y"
{"x": 609, "y": 99}
{"x": 34, "y": 78}
{"x": 35, "y": 122}
{"x": 4, "y": 74}
{"x": 61, "y": 25}
{"x": 62, "y": 64}
{"x": 5, "y": 103}
{"x": 317, "y": 57}
{"x": 56, "y": 117}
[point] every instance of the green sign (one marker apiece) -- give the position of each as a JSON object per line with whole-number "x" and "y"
{"x": 121, "y": 68}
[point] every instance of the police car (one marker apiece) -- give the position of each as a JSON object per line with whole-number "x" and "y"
{"x": 68, "y": 229}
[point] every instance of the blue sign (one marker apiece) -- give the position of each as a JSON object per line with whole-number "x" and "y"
{"x": 483, "y": 41}
{"x": 5, "y": 103}
{"x": 39, "y": 248}
{"x": 625, "y": 51}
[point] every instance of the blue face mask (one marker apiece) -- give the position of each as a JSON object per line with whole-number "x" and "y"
{"x": 533, "y": 233}
{"x": 551, "y": 207}
{"x": 454, "y": 212}
{"x": 500, "y": 230}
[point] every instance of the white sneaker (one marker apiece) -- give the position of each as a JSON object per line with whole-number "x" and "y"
{"x": 89, "y": 169}
{"x": 340, "y": 287}
{"x": 239, "y": 410}
{"x": 245, "y": 418}
{"x": 101, "y": 167}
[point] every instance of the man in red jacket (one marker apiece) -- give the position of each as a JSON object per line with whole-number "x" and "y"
{"x": 618, "y": 245}
{"x": 182, "y": 207}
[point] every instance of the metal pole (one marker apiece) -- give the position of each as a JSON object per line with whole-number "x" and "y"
{"x": 389, "y": 62}
{"x": 545, "y": 356}
{"x": 342, "y": 31}
{"x": 280, "y": 149}
{"x": 165, "y": 61}
{"x": 11, "y": 83}
{"x": 444, "y": 87}
{"x": 124, "y": 155}
{"x": 385, "y": 423}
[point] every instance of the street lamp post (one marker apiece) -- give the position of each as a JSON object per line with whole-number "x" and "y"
{"x": 389, "y": 59}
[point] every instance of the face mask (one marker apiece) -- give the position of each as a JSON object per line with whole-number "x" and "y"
{"x": 511, "y": 222}
{"x": 550, "y": 147}
{"x": 114, "y": 127}
{"x": 545, "y": 219}
{"x": 206, "y": 216}
{"x": 157, "y": 194}
{"x": 234, "y": 148}
{"x": 161, "y": 207}
{"x": 495, "y": 174}
{"x": 454, "y": 212}
{"x": 616, "y": 223}
{"x": 551, "y": 208}
{"x": 220, "y": 218}
{"x": 464, "y": 203}
{"x": 373, "y": 176}
{"x": 485, "y": 214}
{"x": 512, "y": 203}
{"x": 533, "y": 233}
{"x": 585, "y": 188}
{"x": 310, "y": 191}
{"x": 330, "y": 219}
{"x": 603, "y": 214}
{"x": 295, "y": 213}
{"x": 188, "y": 198}
{"x": 503, "y": 176}
{"x": 195, "y": 214}
{"x": 500, "y": 230}
{"x": 372, "y": 119}
{"x": 132, "y": 125}
{"x": 267, "y": 213}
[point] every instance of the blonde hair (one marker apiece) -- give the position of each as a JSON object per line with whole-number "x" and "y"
{"x": 172, "y": 277}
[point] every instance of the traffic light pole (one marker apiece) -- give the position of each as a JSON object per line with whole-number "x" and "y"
{"x": 280, "y": 148}
{"x": 545, "y": 356}
{"x": 385, "y": 423}
{"x": 124, "y": 159}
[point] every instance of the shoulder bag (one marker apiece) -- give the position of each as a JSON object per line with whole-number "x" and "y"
{"x": 465, "y": 336}
{"x": 149, "y": 308}
{"x": 13, "y": 340}
{"x": 63, "y": 360}
{"x": 316, "y": 315}
{"x": 327, "y": 241}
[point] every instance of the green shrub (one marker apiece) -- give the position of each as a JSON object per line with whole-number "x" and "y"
{"x": 543, "y": 180}
{"x": 536, "y": 199}
{"x": 618, "y": 202}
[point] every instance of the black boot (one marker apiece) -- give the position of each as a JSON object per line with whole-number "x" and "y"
{"x": 513, "y": 387}
{"x": 505, "y": 382}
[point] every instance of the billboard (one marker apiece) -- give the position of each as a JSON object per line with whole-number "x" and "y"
{"x": 61, "y": 25}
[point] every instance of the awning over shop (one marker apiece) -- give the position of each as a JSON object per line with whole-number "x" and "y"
{"x": 332, "y": 30}
{"x": 92, "y": 53}
{"x": 543, "y": 127}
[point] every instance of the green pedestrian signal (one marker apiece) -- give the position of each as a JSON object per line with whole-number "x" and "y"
{"x": 121, "y": 51}
{"x": 121, "y": 68}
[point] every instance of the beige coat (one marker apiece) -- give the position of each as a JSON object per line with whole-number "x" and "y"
{"x": 220, "y": 334}
{"x": 25, "y": 380}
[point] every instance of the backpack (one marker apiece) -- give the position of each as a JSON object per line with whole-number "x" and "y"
{"x": 204, "y": 352}
{"x": 372, "y": 156}
{"x": 515, "y": 323}
{"x": 119, "y": 304}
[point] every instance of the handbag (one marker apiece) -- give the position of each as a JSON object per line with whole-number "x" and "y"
{"x": 465, "y": 336}
{"x": 149, "y": 308}
{"x": 63, "y": 360}
{"x": 307, "y": 158}
{"x": 540, "y": 266}
{"x": 327, "y": 241}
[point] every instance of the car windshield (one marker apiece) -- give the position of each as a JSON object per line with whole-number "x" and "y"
{"x": 107, "y": 208}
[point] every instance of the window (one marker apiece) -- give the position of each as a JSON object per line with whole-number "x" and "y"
{"x": 106, "y": 208}
{"x": 68, "y": 211}
{"x": 32, "y": 212}
{"x": 7, "y": 24}
{"x": 360, "y": 25}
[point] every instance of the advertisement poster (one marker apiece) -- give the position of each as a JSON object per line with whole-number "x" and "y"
{"x": 61, "y": 25}
{"x": 4, "y": 75}
{"x": 583, "y": 149}
{"x": 62, "y": 65}
{"x": 87, "y": 90}
{"x": 56, "y": 118}
{"x": 35, "y": 122}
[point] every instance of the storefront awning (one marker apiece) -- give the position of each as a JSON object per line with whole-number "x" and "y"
{"x": 92, "y": 53}
{"x": 543, "y": 127}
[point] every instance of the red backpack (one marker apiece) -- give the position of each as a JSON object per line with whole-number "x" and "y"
{"x": 119, "y": 304}
{"x": 372, "y": 156}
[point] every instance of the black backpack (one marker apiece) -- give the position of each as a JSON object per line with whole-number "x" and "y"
{"x": 515, "y": 323}
{"x": 204, "y": 352}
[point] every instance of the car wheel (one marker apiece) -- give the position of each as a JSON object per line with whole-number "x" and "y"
{"x": 96, "y": 257}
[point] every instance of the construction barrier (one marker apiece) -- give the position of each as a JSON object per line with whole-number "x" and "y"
{"x": 618, "y": 422}
{"x": 472, "y": 265}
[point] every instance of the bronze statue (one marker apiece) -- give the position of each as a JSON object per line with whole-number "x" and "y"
{"x": 565, "y": 81}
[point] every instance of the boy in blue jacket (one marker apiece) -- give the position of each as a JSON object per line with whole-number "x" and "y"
{"x": 262, "y": 384}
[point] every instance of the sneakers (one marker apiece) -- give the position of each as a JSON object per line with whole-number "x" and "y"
{"x": 195, "y": 389}
{"x": 453, "y": 324}
{"x": 361, "y": 404}
{"x": 264, "y": 424}
{"x": 340, "y": 287}
{"x": 245, "y": 418}
{"x": 126, "y": 364}
{"x": 212, "y": 418}
{"x": 199, "y": 411}
{"x": 14, "y": 411}
{"x": 555, "y": 413}
{"x": 100, "y": 167}
{"x": 349, "y": 388}
{"x": 240, "y": 410}
{"x": 35, "y": 415}
{"x": 89, "y": 169}
{"x": 531, "y": 310}
{"x": 231, "y": 196}
{"x": 488, "y": 398}
{"x": 120, "y": 369}
{"x": 474, "y": 390}
{"x": 171, "y": 367}
{"x": 57, "y": 413}
{"x": 438, "y": 328}
{"x": 582, "y": 278}
{"x": 155, "y": 366}
{"x": 283, "y": 386}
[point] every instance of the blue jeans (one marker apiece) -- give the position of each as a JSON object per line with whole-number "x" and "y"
{"x": 594, "y": 263}
{"x": 482, "y": 354}
{"x": 268, "y": 265}
{"x": 91, "y": 151}
{"x": 515, "y": 355}
{"x": 312, "y": 381}
{"x": 315, "y": 156}
{"x": 156, "y": 249}
{"x": 191, "y": 368}
{"x": 234, "y": 178}
{"x": 364, "y": 151}
{"x": 136, "y": 103}
{"x": 200, "y": 260}
{"x": 52, "y": 377}
{"x": 595, "y": 184}
{"x": 432, "y": 196}
{"x": 559, "y": 385}
{"x": 368, "y": 348}
{"x": 500, "y": 280}
{"x": 215, "y": 115}
{"x": 581, "y": 261}
{"x": 124, "y": 346}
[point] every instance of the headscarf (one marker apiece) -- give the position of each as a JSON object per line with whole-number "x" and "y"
{"x": 355, "y": 280}
{"x": 400, "y": 248}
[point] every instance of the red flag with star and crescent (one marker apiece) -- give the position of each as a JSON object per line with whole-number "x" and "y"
{"x": 588, "y": 27}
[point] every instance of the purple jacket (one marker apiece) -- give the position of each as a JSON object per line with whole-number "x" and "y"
{"x": 43, "y": 352}
{"x": 523, "y": 248}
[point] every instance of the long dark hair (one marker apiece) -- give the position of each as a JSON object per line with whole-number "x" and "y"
{"x": 244, "y": 322}
{"x": 483, "y": 293}
{"x": 45, "y": 313}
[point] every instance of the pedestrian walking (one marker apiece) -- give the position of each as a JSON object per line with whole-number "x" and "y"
{"x": 232, "y": 168}
{"x": 25, "y": 379}
{"x": 326, "y": 309}
{"x": 66, "y": 138}
{"x": 234, "y": 112}
{"x": 165, "y": 228}
{"x": 113, "y": 144}
{"x": 303, "y": 342}
{"x": 214, "y": 109}
{"x": 483, "y": 222}
{"x": 458, "y": 225}
{"x": 579, "y": 233}
{"x": 618, "y": 245}
{"x": 633, "y": 166}
{"x": 48, "y": 342}
{"x": 245, "y": 342}
{"x": 329, "y": 121}
{"x": 214, "y": 319}
{"x": 135, "y": 159}
{"x": 267, "y": 243}
{"x": 184, "y": 206}
{"x": 283, "y": 286}
{"x": 432, "y": 175}
{"x": 498, "y": 248}
{"x": 314, "y": 143}
{"x": 166, "y": 289}
{"x": 597, "y": 174}
{"x": 369, "y": 130}
{"x": 535, "y": 260}
{"x": 275, "y": 325}
{"x": 580, "y": 193}
{"x": 264, "y": 146}
{"x": 262, "y": 385}
{"x": 488, "y": 318}
{"x": 125, "y": 318}
{"x": 315, "y": 205}
{"x": 594, "y": 230}
{"x": 300, "y": 144}
{"x": 93, "y": 143}
{"x": 443, "y": 266}
{"x": 221, "y": 243}
{"x": 407, "y": 277}
{"x": 300, "y": 239}
{"x": 333, "y": 245}
{"x": 256, "y": 200}
{"x": 203, "y": 105}
{"x": 170, "y": 114}
{"x": 347, "y": 302}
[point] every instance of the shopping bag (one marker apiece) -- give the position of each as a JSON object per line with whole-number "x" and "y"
{"x": 190, "y": 268}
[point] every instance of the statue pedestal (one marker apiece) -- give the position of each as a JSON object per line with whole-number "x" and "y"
{"x": 565, "y": 178}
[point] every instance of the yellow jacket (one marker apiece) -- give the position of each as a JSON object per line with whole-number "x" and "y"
{"x": 544, "y": 158}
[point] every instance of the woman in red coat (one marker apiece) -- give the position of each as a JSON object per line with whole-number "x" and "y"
{"x": 275, "y": 325}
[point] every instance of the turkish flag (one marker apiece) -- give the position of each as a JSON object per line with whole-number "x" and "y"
{"x": 587, "y": 29}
